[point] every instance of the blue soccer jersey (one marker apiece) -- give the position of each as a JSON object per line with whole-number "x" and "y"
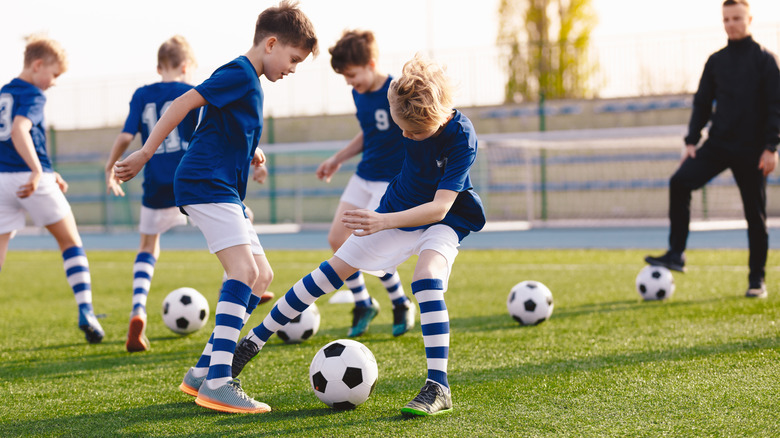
{"x": 215, "y": 167}
{"x": 383, "y": 151}
{"x": 147, "y": 105}
{"x": 21, "y": 98}
{"x": 436, "y": 163}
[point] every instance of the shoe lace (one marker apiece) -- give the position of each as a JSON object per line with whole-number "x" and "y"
{"x": 235, "y": 383}
{"x": 427, "y": 395}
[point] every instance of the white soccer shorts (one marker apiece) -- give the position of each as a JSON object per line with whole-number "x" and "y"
{"x": 160, "y": 220}
{"x": 363, "y": 193}
{"x": 224, "y": 225}
{"x": 383, "y": 251}
{"x": 46, "y": 206}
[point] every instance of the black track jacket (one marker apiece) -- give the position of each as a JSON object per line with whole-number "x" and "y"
{"x": 740, "y": 91}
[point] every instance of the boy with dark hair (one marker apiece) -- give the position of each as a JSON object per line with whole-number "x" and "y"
{"x": 210, "y": 185}
{"x": 355, "y": 57}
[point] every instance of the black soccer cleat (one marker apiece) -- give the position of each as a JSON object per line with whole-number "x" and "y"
{"x": 432, "y": 400}
{"x": 673, "y": 262}
{"x": 245, "y": 351}
{"x": 89, "y": 324}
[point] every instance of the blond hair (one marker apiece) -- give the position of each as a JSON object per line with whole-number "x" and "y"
{"x": 422, "y": 95}
{"x": 40, "y": 46}
{"x": 175, "y": 52}
{"x": 289, "y": 25}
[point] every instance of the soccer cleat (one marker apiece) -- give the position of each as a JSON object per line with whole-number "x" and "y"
{"x": 674, "y": 262}
{"x": 245, "y": 351}
{"x": 230, "y": 398}
{"x": 403, "y": 318}
{"x": 89, "y": 324}
{"x": 757, "y": 292}
{"x": 190, "y": 385}
{"x": 136, "y": 334}
{"x": 433, "y": 399}
{"x": 265, "y": 297}
{"x": 361, "y": 318}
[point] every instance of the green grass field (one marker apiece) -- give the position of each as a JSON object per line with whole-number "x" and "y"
{"x": 704, "y": 363}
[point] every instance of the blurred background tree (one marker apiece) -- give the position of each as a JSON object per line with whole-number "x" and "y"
{"x": 546, "y": 48}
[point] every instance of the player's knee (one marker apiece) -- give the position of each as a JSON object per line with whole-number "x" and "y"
{"x": 264, "y": 278}
{"x": 334, "y": 241}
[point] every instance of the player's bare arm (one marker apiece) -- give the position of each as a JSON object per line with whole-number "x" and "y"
{"x": 130, "y": 166}
{"x": 121, "y": 144}
{"x": 23, "y": 143}
{"x": 329, "y": 167}
{"x": 365, "y": 222}
{"x": 63, "y": 185}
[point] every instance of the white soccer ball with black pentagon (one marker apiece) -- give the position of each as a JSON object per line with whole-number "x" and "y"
{"x": 655, "y": 283}
{"x": 343, "y": 374}
{"x": 185, "y": 310}
{"x": 530, "y": 302}
{"x": 302, "y": 327}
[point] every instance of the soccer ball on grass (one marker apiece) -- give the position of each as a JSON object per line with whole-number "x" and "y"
{"x": 185, "y": 310}
{"x": 655, "y": 283}
{"x": 343, "y": 374}
{"x": 530, "y": 302}
{"x": 302, "y": 327}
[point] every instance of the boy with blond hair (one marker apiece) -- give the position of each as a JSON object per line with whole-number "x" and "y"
{"x": 210, "y": 185}
{"x": 355, "y": 56}
{"x": 428, "y": 208}
{"x": 175, "y": 63}
{"x": 27, "y": 179}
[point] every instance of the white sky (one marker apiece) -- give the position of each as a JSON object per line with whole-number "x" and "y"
{"x": 108, "y": 40}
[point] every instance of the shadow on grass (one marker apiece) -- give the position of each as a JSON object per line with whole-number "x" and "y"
{"x": 614, "y": 361}
{"x": 206, "y": 423}
{"x": 504, "y": 321}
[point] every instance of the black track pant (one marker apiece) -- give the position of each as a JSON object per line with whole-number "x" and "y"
{"x": 695, "y": 173}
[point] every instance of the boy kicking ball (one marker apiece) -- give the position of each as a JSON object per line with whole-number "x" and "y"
{"x": 429, "y": 207}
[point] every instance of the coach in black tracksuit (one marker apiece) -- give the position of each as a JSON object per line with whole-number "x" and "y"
{"x": 739, "y": 92}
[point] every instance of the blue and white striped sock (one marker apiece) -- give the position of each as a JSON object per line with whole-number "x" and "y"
{"x": 228, "y": 318}
{"x": 202, "y": 367}
{"x": 395, "y": 290}
{"x": 435, "y": 324}
{"x": 143, "y": 271}
{"x": 357, "y": 284}
{"x": 319, "y": 282}
{"x": 79, "y": 279}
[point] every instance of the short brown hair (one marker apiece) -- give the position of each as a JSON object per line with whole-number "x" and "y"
{"x": 174, "y": 52}
{"x": 736, "y": 2}
{"x": 42, "y": 47}
{"x": 355, "y": 47}
{"x": 288, "y": 24}
{"x": 422, "y": 95}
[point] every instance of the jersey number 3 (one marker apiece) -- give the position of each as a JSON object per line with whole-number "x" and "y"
{"x": 6, "y": 107}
